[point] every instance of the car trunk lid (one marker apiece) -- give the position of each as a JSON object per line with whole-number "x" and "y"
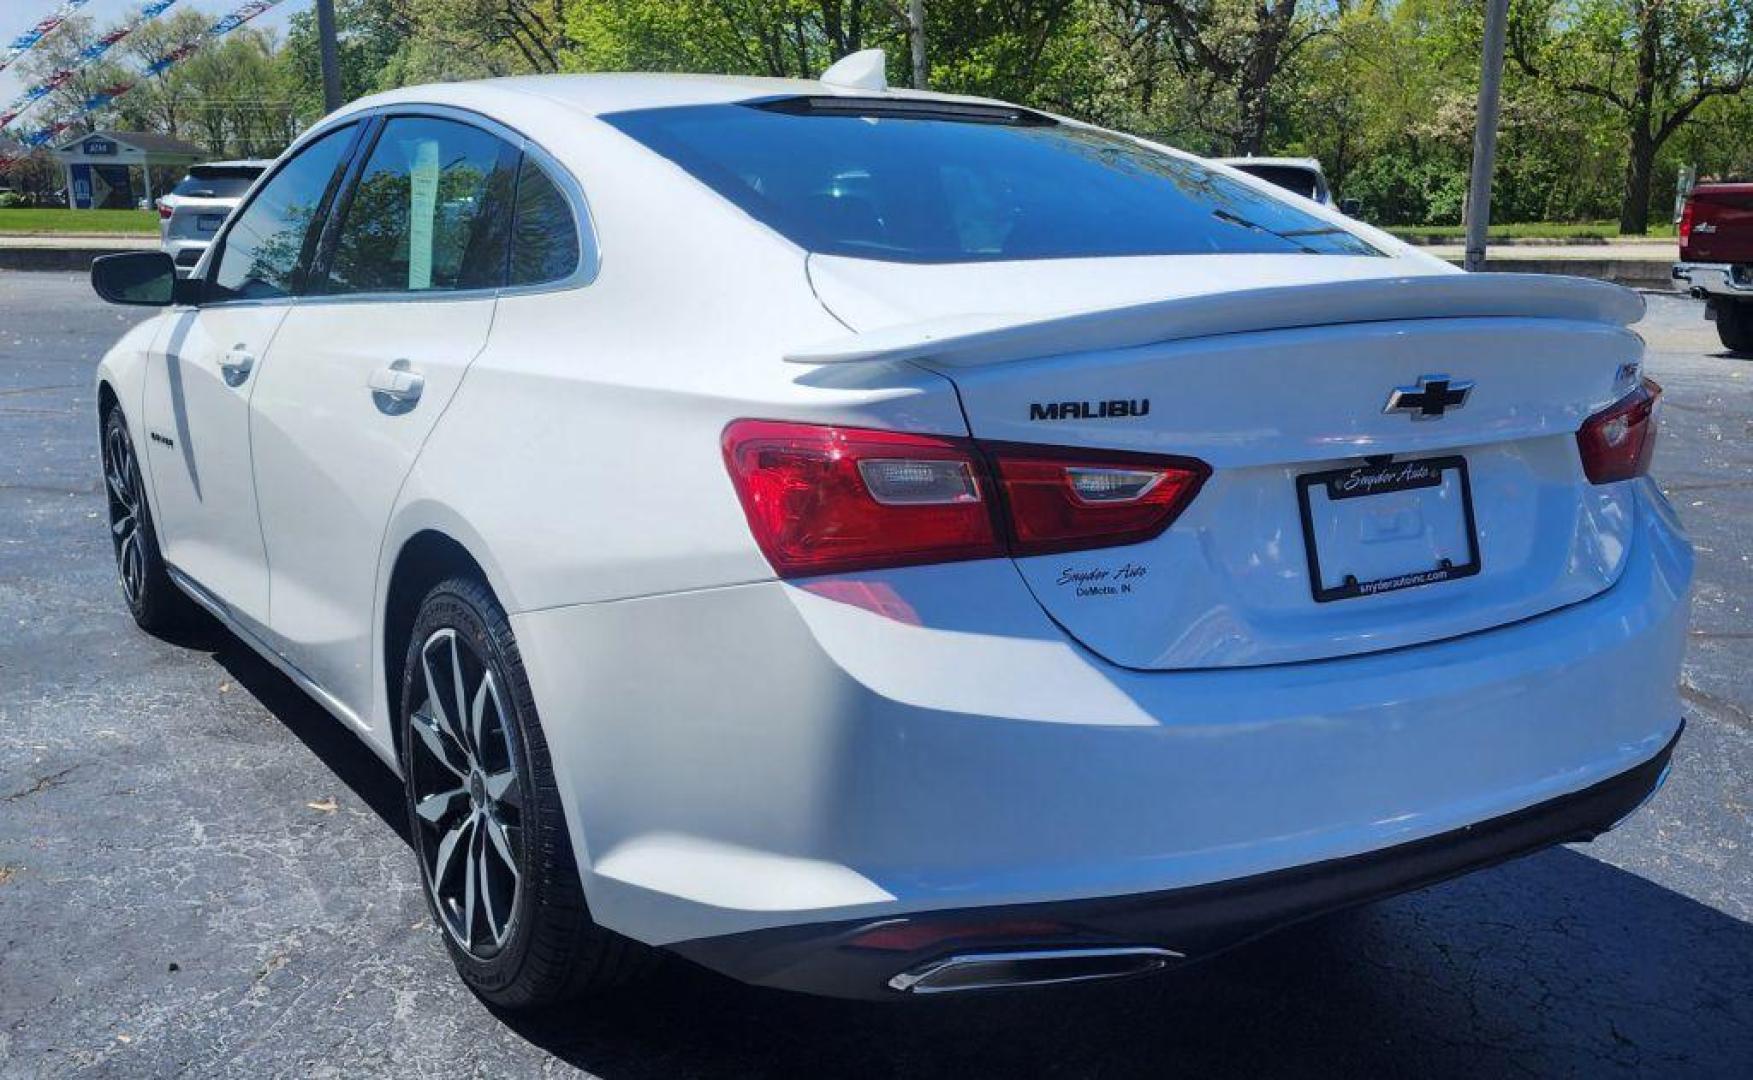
{"x": 1324, "y": 525}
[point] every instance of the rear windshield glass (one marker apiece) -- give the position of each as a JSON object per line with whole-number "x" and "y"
{"x": 1288, "y": 177}
{"x": 216, "y": 183}
{"x": 929, "y": 188}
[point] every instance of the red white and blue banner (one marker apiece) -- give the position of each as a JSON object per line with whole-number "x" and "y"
{"x": 87, "y": 56}
{"x": 45, "y": 26}
{"x": 239, "y": 15}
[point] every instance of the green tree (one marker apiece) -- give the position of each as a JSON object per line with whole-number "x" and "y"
{"x": 1650, "y": 64}
{"x": 1242, "y": 45}
{"x": 372, "y": 35}
{"x": 780, "y": 38}
{"x": 229, "y": 97}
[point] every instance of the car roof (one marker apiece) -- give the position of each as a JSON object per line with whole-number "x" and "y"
{"x": 240, "y": 163}
{"x": 608, "y": 92}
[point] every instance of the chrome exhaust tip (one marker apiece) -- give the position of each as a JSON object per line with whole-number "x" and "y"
{"x": 1034, "y": 967}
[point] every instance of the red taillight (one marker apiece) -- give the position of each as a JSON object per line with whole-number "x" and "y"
{"x": 828, "y": 499}
{"x": 1616, "y": 442}
{"x": 1062, "y": 500}
{"x": 164, "y": 211}
{"x": 812, "y": 497}
{"x": 1685, "y": 226}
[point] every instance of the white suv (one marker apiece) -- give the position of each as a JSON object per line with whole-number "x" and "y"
{"x": 879, "y": 543}
{"x": 1301, "y": 176}
{"x": 190, "y": 215}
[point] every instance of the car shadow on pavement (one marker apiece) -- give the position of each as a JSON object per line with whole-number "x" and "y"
{"x": 337, "y": 747}
{"x": 1554, "y": 964}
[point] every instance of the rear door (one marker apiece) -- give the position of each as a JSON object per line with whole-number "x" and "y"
{"x": 414, "y": 255}
{"x": 204, "y": 369}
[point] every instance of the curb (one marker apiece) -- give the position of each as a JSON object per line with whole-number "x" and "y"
{"x": 74, "y": 259}
{"x": 1648, "y": 274}
{"x": 1429, "y": 240}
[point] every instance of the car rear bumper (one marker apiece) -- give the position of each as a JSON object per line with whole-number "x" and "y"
{"x": 1711, "y": 280}
{"x": 824, "y": 754}
{"x": 887, "y": 956}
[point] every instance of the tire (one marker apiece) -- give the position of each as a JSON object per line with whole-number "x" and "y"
{"x": 158, "y": 606}
{"x": 484, "y": 812}
{"x": 1734, "y": 325}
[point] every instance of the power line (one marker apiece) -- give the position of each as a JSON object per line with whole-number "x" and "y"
{"x": 238, "y": 16}
{"x": 86, "y": 57}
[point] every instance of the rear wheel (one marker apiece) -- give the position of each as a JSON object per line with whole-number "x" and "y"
{"x": 484, "y": 809}
{"x": 1734, "y": 324}
{"x": 157, "y": 605}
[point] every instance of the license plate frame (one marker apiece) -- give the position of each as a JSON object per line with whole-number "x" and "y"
{"x": 1379, "y": 477}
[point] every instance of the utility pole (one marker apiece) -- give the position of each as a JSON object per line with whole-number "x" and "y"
{"x": 916, "y": 40}
{"x": 327, "y": 49}
{"x": 1485, "y": 133}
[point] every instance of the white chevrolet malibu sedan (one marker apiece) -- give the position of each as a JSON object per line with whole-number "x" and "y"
{"x": 882, "y": 543}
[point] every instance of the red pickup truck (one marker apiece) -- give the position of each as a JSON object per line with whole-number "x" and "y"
{"x": 1716, "y": 258}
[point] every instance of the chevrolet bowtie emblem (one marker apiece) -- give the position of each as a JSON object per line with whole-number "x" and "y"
{"x": 1433, "y": 396}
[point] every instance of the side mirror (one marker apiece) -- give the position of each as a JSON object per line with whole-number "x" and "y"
{"x": 141, "y": 278}
{"x": 1351, "y": 207}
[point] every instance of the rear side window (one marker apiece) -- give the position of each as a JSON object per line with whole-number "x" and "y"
{"x": 430, "y": 211}
{"x": 264, "y": 246}
{"x": 966, "y": 185}
{"x": 544, "y": 241}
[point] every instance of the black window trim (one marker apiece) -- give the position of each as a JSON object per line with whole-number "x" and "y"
{"x": 585, "y": 268}
{"x": 370, "y": 123}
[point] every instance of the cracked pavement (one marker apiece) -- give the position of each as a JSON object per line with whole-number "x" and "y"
{"x": 172, "y": 903}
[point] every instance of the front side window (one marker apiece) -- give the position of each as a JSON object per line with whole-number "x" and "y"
{"x": 544, "y": 240}
{"x": 940, "y": 183}
{"x": 265, "y": 246}
{"x": 430, "y": 212}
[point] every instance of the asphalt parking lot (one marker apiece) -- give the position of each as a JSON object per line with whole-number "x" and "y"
{"x": 202, "y": 874}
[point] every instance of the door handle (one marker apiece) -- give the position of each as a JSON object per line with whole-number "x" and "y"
{"x": 236, "y": 367}
{"x": 396, "y": 388}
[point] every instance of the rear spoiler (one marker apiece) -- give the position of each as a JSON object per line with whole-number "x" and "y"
{"x": 968, "y": 340}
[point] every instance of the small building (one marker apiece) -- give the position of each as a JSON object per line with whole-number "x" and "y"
{"x": 102, "y": 167}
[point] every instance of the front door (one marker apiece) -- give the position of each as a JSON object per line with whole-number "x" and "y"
{"x": 198, "y": 383}
{"x": 202, "y": 373}
{"x": 363, "y": 368}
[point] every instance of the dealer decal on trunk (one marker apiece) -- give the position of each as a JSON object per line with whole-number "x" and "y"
{"x": 1102, "y": 581}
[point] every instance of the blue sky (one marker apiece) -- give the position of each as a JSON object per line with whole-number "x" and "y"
{"x": 17, "y": 16}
